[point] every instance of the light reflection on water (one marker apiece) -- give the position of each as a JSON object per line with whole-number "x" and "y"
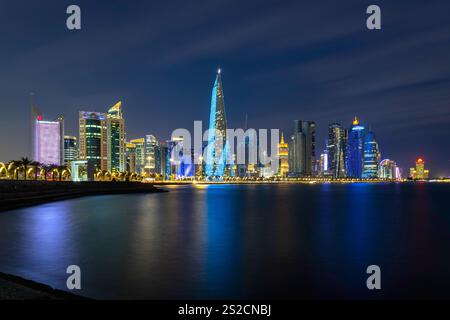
{"x": 239, "y": 241}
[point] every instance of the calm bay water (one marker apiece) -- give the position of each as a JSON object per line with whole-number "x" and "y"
{"x": 241, "y": 241}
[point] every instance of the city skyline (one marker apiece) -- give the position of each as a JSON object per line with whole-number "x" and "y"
{"x": 274, "y": 85}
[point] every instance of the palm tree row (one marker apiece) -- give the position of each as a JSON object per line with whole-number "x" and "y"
{"x": 26, "y": 169}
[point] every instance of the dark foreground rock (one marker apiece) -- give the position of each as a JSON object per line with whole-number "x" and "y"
{"x": 18, "y": 194}
{"x": 16, "y": 288}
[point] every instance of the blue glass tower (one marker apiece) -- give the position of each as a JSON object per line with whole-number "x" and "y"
{"x": 371, "y": 157}
{"x": 355, "y": 145}
{"x": 218, "y": 148}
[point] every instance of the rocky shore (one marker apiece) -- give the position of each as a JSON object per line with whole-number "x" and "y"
{"x": 17, "y": 194}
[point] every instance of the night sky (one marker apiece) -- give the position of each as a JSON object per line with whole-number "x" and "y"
{"x": 280, "y": 61}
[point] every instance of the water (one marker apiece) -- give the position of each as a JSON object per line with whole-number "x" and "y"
{"x": 245, "y": 241}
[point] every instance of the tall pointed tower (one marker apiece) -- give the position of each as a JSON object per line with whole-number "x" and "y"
{"x": 215, "y": 164}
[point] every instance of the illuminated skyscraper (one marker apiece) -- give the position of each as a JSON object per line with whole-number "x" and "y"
{"x": 130, "y": 155}
{"x": 93, "y": 138}
{"x": 140, "y": 154}
{"x": 151, "y": 146}
{"x": 283, "y": 154}
{"x": 70, "y": 149}
{"x": 336, "y": 146}
{"x": 419, "y": 172}
{"x": 388, "y": 170}
{"x": 355, "y": 146}
{"x": 116, "y": 138}
{"x": 48, "y": 140}
{"x": 371, "y": 156}
{"x": 218, "y": 148}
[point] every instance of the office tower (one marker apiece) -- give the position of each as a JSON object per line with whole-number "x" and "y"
{"x": 140, "y": 154}
{"x": 302, "y": 149}
{"x": 419, "y": 172}
{"x": 93, "y": 138}
{"x": 355, "y": 146}
{"x": 164, "y": 153}
{"x": 371, "y": 156}
{"x": 323, "y": 169}
{"x": 218, "y": 148}
{"x": 388, "y": 170}
{"x": 151, "y": 146}
{"x": 130, "y": 155}
{"x": 70, "y": 149}
{"x": 116, "y": 138}
{"x": 336, "y": 147}
{"x": 48, "y": 140}
{"x": 283, "y": 154}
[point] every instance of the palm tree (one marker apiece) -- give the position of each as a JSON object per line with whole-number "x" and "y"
{"x": 25, "y": 162}
{"x": 36, "y": 166}
{"x": 13, "y": 167}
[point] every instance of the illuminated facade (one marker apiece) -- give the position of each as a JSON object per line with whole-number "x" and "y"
{"x": 140, "y": 154}
{"x": 388, "y": 170}
{"x": 70, "y": 149}
{"x": 151, "y": 148}
{"x": 371, "y": 156}
{"x": 419, "y": 172}
{"x": 336, "y": 149}
{"x": 49, "y": 141}
{"x": 283, "y": 154}
{"x": 130, "y": 155}
{"x": 355, "y": 147}
{"x": 93, "y": 138}
{"x": 116, "y": 138}
{"x": 218, "y": 148}
{"x": 323, "y": 164}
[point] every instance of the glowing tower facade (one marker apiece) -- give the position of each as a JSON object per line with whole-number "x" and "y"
{"x": 218, "y": 148}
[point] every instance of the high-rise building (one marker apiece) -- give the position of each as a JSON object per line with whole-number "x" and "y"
{"x": 93, "y": 138}
{"x": 419, "y": 172}
{"x": 130, "y": 155}
{"x": 70, "y": 149}
{"x": 218, "y": 148}
{"x": 283, "y": 154}
{"x": 323, "y": 169}
{"x": 116, "y": 138}
{"x": 336, "y": 149}
{"x": 388, "y": 170}
{"x": 151, "y": 146}
{"x": 371, "y": 156}
{"x": 355, "y": 147}
{"x": 140, "y": 154}
{"x": 48, "y": 140}
{"x": 302, "y": 149}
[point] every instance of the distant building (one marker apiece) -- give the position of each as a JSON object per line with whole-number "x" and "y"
{"x": 336, "y": 149}
{"x": 93, "y": 138}
{"x": 371, "y": 156}
{"x": 323, "y": 168}
{"x": 302, "y": 149}
{"x": 419, "y": 172}
{"x": 283, "y": 155}
{"x": 48, "y": 140}
{"x": 70, "y": 149}
{"x": 355, "y": 150}
{"x": 151, "y": 149}
{"x": 140, "y": 154}
{"x": 130, "y": 156}
{"x": 116, "y": 138}
{"x": 388, "y": 169}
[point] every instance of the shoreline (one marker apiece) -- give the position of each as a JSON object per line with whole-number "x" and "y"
{"x": 20, "y": 194}
{"x": 17, "y": 288}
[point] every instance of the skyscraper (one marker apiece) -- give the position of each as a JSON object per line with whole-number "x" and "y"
{"x": 140, "y": 154}
{"x": 283, "y": 154}
{"x": 151, "y": 146}
{"x": 388, "y": 170}
{"x": 419, "y": 172}
{"x": 355, "y": 146}
{"x": 130, "y": 155}
{"x": 93, "y": 138}
{"x": 70, "y": 149}
{"x": 218, "y": 148}
{"x": 336, "y": 147}
{"x": 302, "y": 149}
{"x": 48, "y": 140}
{"x": 116, "y": 138}
{"x": 371, "y": 156}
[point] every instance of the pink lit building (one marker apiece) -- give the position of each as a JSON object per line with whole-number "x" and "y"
{"x": 48, "y": 141}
